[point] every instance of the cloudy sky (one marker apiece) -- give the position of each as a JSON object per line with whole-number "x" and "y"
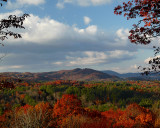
{"x": 68, "y": 34}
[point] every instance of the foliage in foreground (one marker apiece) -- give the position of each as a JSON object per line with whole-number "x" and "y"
{"x": 80, "y": 104}
{"x": 68, "y": 112}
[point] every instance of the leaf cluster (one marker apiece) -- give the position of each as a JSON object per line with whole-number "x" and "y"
{"x": 148, "y": 26}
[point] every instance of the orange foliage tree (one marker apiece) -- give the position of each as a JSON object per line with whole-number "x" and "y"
{"x": 136, "y": 116}
{"x": 68, "y": 112}
{"x": 67, "y": 105}
{"x": 39, "y": 116}
{"x": 112, "y": 116}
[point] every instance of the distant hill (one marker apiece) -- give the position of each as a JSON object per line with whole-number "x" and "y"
{"x": 124, "y": 75}
{"x": 132, "y": 76}
{"x": 85, "y": 74}
{"x": 75, "y": 74}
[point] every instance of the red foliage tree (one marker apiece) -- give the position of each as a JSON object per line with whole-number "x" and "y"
{"x": 136, "y": 116}
{"x": 6, "y": 84}
{"x": 96, "y": 123}
{"x": 5, "y": 119}
{"x": 112, "y": 116}
{"x": 149, "y": 11}
{"x": 147, "y": 27}
{"x": 70, "y": 105}
{"x": 67, "y": 105}
{"x": 39, "y": 116}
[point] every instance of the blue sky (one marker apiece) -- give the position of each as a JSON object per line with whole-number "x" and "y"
{"x": 68, "y": 34}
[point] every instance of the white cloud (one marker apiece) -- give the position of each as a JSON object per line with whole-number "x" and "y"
{"x": 94, "y": 58}
{"x": 91, "y": 29}
{"x": 123, "y": 33}
{"x": 51, "y": 31}
{"x": 61, "y": 3}
{"x": 49, "y": 43}
{"x": 13, "y": 67}
{"x": 134, "y": 66}
{"x": 120, "y": 53}
{"x": 57, "y": 63}
{"x": 87, "y": 20}
{"x": 92, "y": 2}
{"x": 89, "y": 59}
{"x": 146, "y": 61}
{"x": 125, "y": 69}
{"x": 99, "y": 2}
{"x": 31, "y": 2}
{"x": 21, "y": 3}
{"x": 43, "y": 30}
{"x": 5, "y": 15}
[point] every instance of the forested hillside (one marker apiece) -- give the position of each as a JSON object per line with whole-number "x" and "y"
{"x": 65, "y": 103}
{"x": 75, "y": 74}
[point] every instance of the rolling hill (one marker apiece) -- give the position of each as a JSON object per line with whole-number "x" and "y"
{"x": 133, "y": 76}
{"x": 75, "y": 74}
{"x": 123, "y": 75}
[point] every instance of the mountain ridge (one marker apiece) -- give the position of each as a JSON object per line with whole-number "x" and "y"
{"x": 85, "y": 74}
{"x": 133, "y": 76}
{"x": 122, "y": 75}
{"x": 78, "y": 74}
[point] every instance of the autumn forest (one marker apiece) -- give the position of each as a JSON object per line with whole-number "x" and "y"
{"x": 79, "y": 98}
{"x": 79, "y": 104}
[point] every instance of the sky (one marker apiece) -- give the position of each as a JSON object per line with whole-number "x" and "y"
{"x": 68, "y": 34}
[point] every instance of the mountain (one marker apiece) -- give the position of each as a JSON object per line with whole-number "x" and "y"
{"x": 133, "y": 76}
{"x": 124, "y": 75}
{"x": 110, "y": 72}
{"x": 75, "y": 74}
{"x": 83, "y": 74}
